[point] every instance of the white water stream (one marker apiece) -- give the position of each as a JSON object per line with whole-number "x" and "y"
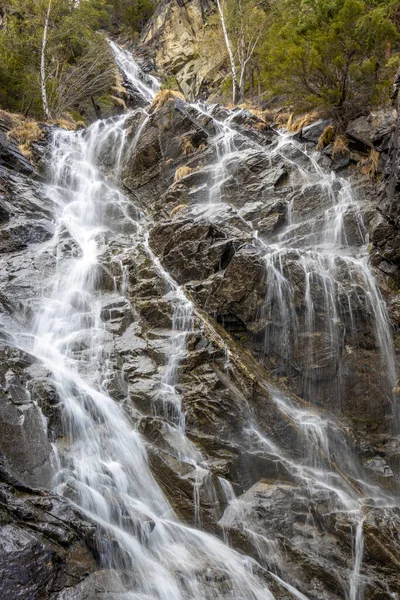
{"x": 103, "y": 460}
{"x": 333, "y": 265}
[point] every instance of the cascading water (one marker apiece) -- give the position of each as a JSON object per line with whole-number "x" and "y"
{"x": 103, "y": 462}
{"x": 329, "y": 250}
{"x": 145, "y": 85}
{"x": 320, "y": 253}
{"x": 324, "y": 247}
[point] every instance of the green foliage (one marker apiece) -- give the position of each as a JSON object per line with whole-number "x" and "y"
{"x": 331, "y": 54}
{"x": 71, "y": 39}
{"x": 170, "y": 83}
{"x": 336, "y": 55}
{"x": 131, "y": 15}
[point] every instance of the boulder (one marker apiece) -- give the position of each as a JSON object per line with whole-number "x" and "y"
{"x": 312, "y": 133}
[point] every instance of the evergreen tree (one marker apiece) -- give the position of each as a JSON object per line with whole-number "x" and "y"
{"x": 331, "y": 54}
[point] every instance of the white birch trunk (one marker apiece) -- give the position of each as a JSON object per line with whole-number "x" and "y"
{"x": 43, "y": 64}
{"x": 230, "y": 54}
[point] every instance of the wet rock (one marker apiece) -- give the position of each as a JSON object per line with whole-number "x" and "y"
{"x": 11, "y": 157}
{"x": 44, "y": 544}
{"x": 312, "y": 132}
{"x": 360, "y": 131}
{"x": 102, "y": 583}
{"x": 239, "y": 431}
{"x": 179, "y": 481}
{"x": 44, "y": 393}
{"x": 21, "y": 427}
{"x": 371, "y": 131}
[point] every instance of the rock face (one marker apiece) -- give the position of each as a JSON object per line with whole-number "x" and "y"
{"x": 203, "y": 226}
{"x": 385, "y": 235}
{"x": 46, "y": 545}
{"x": 232, "y": 273}
{"x": 172, "y": 38}
{"x": 271, "y": 456}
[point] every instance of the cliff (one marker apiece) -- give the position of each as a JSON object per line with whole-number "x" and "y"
{"x": 194, "y": 349}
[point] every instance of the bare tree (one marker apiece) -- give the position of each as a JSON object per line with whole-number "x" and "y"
{"x": 247, "y": 45}
{"x": 90, "y": 76}
{"x": 235, "y": 85}
{"x": 43, "y": 64}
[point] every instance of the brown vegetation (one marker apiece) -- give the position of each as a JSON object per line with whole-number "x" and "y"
{"x": 340, "y": 146}
{"x": 369, "y": 166}
{"x": 25, "y": 131}
{"x": 182, "y": 172}
{"x": 177, "y": 209}
{"x": 187, "y": 145}
{"x": 164, "y": 96}
{"x": 326, "y": 137}
{"x": 295, "y": 125}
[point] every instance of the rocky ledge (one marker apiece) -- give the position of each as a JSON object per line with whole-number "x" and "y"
{"x": 242, "y": 407}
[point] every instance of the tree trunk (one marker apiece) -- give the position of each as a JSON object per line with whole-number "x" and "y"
{"x": 242, "y": 87}
{"x": 43, "y": 65}
{"x": 243, "y": 69}
{"x": 96, "y": 108}
{"x": 252, "y": 83}
{"x": 235, "y": 86}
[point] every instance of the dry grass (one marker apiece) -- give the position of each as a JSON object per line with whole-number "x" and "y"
{"x": 262, "y": 115}
{"x": 118, "y": 89}
{"x": 326, "y": 137}
{"x": 370, "y": 166}
{"x": 9, "y": 118}
{"x": 119, "y": 102}
{"x": 270, "y": 116}
{"x": 295, "y": 125}
{"x": 289, "y": 123}
{"x": 187, "y": 146}
{"x": 177, "y": 209}
{"x": 25, "y": 132}
{"x": 22, "y": 131}
{"x": 281, "y": 118}
{"x": 340, "y": 146}
{"x": 164, "y": 96}
{"x": 64, "y": 123}
{"x": 182, "y": 172}
{"x": 26, "y": 150}
{"x": 202, "y": 147}
{"x": 396, "y": 389}
{"x": 267, "y": 116}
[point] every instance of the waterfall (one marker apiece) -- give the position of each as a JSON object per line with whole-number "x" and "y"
{"x": 145, "y": 85}
{"x": 338, "y": 287}
{"x": 319, "y": 283}
{"x": 103, "y": 461}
